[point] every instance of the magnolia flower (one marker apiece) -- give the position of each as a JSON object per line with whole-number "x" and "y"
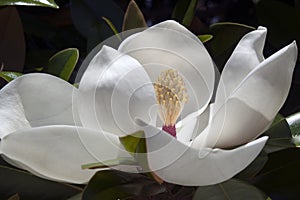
{"x": 50, "y": 128}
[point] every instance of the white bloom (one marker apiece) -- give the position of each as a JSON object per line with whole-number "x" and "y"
{"x": 37, "y": 113}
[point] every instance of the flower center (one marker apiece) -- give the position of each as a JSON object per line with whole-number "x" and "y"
{"x": 171, "y": 95}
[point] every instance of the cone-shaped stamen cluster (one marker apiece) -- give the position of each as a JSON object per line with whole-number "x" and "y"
{"x": 171, "y": 95}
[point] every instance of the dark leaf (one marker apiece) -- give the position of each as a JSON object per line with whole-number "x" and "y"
{"x": 112, "y": 27}
{"x": 12, "y": 42}
{"x": 254, "y": 168}
{"x": 27, "y": 186}
{"x": 108, "y": 9}
{"x": 76, "y": 197}
{"x": 280, "y": 177}
{"x": 232, "y": 189}
{"x": 282, "y": 21}
{"x": 112, "y": 184}
{"x": 87, "y": 18}
{"x": 133, "y": 17}
{"x": 184, "y": 11}
{"x": 83, "y": 18}
{"x": 280, "y": 136}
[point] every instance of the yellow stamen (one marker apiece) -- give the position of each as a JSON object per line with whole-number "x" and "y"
{"x": 171, "y": 95}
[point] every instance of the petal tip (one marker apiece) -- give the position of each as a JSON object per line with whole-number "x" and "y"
{"x": 293, "y": 50}
{"x": 107, "y": 48}
{"x": 262, "y": 28}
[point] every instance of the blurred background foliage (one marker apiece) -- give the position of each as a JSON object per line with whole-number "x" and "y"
{"x": 56, "y": 41}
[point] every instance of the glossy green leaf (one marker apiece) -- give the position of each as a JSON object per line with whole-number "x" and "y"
{"x": 205, "y": 38}
{"x": 62, "y": 63}
{"x": 110, "y": 163}
{"x": 9, "y": 76}
{"x": 133, "y": 17}
{"x": 226, "y": 37}
{"x": 112, "y": 185}
{"x": 232, "y": 189}
{"x": 294, "y": 123}
{"x": 280, "y": 136}
{"x": 44, "y": 3}
{"x": 27, "y": 186}
{"x": 184, "y": 11}
{"x": 280, "y": 177}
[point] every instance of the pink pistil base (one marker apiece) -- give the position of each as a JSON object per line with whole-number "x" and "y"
{"x": 170, "y": 129}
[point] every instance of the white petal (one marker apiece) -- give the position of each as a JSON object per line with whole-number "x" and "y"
{"x": 251, "y": 107}
{"x": 170, "y": 45}
{"x": 188, "y": 128}
{"x": 58, "y": 152}
{"x": 35, "y": 100}
{"x": 177, "y": 163}
{"x": 247, "y": 55}
{"x": 114, "y": 90}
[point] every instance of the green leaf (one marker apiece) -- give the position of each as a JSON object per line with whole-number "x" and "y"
{"x": 112, "y": 185}
{"x": 205, "y": 38}
{"x": 44, "y": 3}
{"x": 294, "y": 123}
{"x": 280, "y": 177}
{"x": 27, "y": 186}
{"x": 62, "y": 63}
{"x": 133, "y": 17}
{"x": 112, "y": 27}
{"x": 184, "y": 11}
{"x": 226, "y": 36}
{"x": 280, "y": 136}
{"x": 232, "y": 189}
{"x": 110, "y": 163}
{"x": 9, "y": 76}
{"x": 130, "y": 142}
